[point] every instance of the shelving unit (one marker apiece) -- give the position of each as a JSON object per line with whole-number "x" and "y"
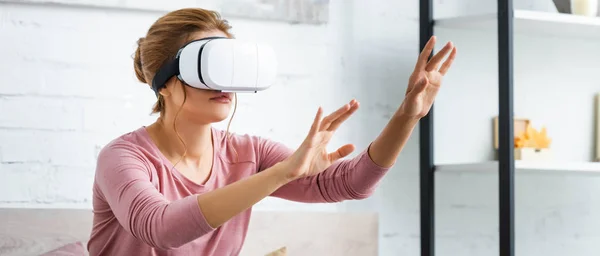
{"x": 508, "y": 23}
{"x": 524, "y": 21}
{"x": 525, "y": 166}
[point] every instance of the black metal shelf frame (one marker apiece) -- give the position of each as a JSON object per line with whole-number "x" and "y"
{"x": 506, "y": 163}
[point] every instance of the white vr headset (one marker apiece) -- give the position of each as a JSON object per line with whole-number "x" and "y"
{"x": 221, "y": 64}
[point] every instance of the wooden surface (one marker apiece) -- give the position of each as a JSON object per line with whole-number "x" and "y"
{"x": 304, "y": 233}
{"x": 34, "y": 231}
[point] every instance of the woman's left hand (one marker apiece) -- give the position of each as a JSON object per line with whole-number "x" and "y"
{"x": 425, "y": 81}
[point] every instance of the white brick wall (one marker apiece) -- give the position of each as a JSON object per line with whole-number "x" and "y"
{"x": 62, "y": 97}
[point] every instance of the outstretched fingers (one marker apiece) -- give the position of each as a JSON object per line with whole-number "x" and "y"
{"x": 316, "y": 125}
{"x": 425, "y": 53}
{"x": 328, "y": 120}
{"x": 448, "y": 63}
{"x": 435, "y": 61}
{"x": 336, "y": 123}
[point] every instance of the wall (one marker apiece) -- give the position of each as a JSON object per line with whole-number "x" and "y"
{"x": 62, "y": 97}
{"x": 68, "y": 88}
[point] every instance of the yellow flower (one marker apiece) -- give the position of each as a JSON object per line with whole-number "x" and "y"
{"x": 531, "y": 138}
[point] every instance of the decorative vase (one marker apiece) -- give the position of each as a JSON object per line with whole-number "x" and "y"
{"x": 584, "y": 7}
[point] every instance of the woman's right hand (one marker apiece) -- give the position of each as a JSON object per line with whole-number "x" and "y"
{"x": 312, "y": 157}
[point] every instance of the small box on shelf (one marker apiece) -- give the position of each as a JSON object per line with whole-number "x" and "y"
{"x": 530, "y": 144}
{"x": 533, "y": 154}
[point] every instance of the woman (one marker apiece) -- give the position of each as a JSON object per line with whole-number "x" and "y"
{"x": 181, "y": 187}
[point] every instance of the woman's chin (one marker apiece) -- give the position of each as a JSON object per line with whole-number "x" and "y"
{"x": 220, "y": 113}
{"x": 215, "y": 116}
{"x": 218, "y": 119}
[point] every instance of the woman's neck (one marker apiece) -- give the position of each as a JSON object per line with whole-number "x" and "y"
{"x": 170, "y": 134}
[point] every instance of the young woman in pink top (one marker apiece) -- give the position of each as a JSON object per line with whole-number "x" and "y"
{"x": 181, "y": 187}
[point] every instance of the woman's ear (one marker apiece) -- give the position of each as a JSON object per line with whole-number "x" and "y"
{"x": 170, "y": 85}
{"x": 165, "y": 92}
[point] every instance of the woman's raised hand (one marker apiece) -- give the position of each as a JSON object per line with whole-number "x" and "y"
{"x": 312, "y": 157}
{"x": 426, "y": 80}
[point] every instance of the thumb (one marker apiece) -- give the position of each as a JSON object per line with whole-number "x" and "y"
{"x": 341, "y": 152}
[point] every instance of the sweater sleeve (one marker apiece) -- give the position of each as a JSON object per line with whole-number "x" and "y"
{"x": 123, "y": 178}
{"x": 346, "y": 179}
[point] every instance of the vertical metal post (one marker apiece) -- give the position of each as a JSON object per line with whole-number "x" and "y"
{"x": 426, "y": 147}
{"x": 506, "y": 165}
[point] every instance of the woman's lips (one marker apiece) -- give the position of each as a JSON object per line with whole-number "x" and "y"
{"x": 222, "y": 98}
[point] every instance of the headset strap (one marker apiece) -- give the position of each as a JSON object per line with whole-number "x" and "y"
{"x": 168, "y": 70}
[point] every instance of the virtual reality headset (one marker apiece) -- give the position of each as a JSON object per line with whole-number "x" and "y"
{"x": 221, "y": 64}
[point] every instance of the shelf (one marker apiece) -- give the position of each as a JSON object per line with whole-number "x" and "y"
{"x": 531, "y": 22}
{"x": 520, "y": 166}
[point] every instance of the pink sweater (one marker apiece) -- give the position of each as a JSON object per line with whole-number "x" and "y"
{"x": 143, "y": 206}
